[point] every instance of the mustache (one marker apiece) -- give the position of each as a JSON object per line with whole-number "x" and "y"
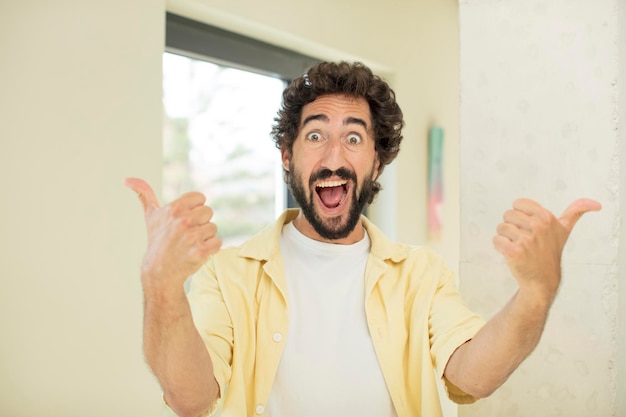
{"x": 324, "y": 173}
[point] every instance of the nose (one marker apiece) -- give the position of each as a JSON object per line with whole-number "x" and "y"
{"x": 334, "y": 155}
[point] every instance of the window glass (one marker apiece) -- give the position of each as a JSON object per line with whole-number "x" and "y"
{"x": 217, "y": 123}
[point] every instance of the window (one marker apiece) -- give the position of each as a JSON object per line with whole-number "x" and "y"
{"x": 221, "y": 92}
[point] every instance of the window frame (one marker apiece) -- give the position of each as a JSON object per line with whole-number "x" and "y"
{"x": 199, "y": 40}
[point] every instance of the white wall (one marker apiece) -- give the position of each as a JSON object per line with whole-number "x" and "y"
{"x": 542, "y": 87}
{"x": 81, "y": 109}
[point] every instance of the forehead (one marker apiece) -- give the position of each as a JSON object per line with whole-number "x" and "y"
{"x": 338, "y": 106}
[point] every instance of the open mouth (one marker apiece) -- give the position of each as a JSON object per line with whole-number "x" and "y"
{"x": 332, "y": 193}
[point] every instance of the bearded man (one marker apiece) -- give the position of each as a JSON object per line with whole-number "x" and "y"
{"x": 320, "y": 314}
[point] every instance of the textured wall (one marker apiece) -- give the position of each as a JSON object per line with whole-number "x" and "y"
{"x": 621, "y": 340}
{"x": 539, "y": 119}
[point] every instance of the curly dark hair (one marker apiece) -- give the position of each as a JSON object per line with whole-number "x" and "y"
{"x": 355, "y": 80}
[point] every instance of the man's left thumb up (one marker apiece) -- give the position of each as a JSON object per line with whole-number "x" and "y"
{"x": 574, "y": 212}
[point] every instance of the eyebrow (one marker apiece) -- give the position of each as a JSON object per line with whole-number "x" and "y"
{"x": 355, "y": 120}
{"x": 347, "y": 121}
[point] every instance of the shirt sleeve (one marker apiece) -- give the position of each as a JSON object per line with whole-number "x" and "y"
{"x": 451, "y": 324}
{"x": 168, "y": 412}
{"x": 213, "y": 321}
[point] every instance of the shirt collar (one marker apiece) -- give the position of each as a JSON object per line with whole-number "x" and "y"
{"x": 265, "y": 244}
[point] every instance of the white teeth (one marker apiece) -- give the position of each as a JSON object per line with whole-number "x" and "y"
{"x": 325, "y": 184}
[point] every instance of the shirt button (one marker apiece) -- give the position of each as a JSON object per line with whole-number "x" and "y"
{"x": 277, "y": 337}
{"x": 259, "y": 409}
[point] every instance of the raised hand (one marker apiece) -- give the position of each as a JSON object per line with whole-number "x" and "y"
{"x": 532, "y": 240}
{"x": 180, "y": 235}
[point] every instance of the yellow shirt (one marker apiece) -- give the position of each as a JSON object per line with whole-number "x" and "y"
{"x": 414, "y": 313}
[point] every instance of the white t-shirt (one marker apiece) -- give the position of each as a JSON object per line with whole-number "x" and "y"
{"x": 328, "y": 366}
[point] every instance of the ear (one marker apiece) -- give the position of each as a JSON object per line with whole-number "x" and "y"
{"x": 286, "y": 157}
{"x": 376, "y": 169}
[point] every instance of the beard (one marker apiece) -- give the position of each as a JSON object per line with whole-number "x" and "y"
{"x": 337, "y": 227}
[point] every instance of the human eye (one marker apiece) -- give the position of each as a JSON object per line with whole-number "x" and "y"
{"x": 314, "y": 137}
{"x": 354, "y": 139}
